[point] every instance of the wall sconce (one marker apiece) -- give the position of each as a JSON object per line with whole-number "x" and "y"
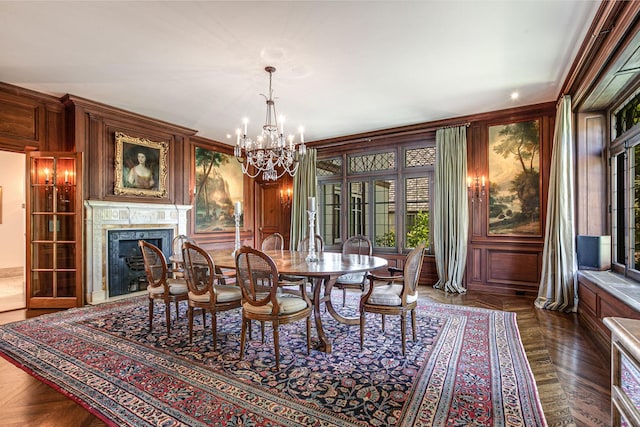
{"x": 285, "y": 197}
{"x": 476, "y": 187}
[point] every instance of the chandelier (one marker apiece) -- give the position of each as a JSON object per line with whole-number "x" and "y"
{"x": 270, "y": 154}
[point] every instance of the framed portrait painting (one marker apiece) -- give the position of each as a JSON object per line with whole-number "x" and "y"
{"x": 140, "y": 167}
{"x": 514, "y": 177}
{"x": 219, "y": 189}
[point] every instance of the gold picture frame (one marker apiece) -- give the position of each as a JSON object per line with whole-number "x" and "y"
{"x": 140, "y": 167}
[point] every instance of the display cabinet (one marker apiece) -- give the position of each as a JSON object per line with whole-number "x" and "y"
{"x": 54, "y": 230}
{"x": 625, "y": 371}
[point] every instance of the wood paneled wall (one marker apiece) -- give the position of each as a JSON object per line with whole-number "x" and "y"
{"x": 506, "y": 263}
{"x": 94, "y": 127}
{"x": 31, "y": 121}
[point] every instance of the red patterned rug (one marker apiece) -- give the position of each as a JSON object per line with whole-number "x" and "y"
{"x": 467, "y": 368}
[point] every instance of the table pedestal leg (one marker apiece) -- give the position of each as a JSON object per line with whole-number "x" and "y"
{"x": 319, "y": 283}
{"x": 339, "y": 317}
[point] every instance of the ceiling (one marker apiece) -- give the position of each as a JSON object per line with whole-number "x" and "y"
{"x": 341, "y": 67}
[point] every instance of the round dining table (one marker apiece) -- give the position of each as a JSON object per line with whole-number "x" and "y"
{"x": 323, "y": 272}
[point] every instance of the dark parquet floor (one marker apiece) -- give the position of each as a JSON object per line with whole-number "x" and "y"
{"x": 572, "y": 374}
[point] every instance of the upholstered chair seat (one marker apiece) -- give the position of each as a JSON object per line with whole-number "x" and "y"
{"x": 176, "y": 287}
{"x": 224, "y": 293}
{"x": 390, "y": 295}
{"x": 287, "y": 304}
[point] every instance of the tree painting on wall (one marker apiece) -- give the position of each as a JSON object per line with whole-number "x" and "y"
{"x": 219, "y": 184}
{"x": 514, "y": 177}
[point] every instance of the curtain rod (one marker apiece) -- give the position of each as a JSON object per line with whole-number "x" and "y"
{"x": 465, "y": 124}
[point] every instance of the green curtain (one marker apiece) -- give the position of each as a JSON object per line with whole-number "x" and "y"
{"x": 304, "y": 185}
{"x": 451, "y": 209}
{"x": 557, "y": 289}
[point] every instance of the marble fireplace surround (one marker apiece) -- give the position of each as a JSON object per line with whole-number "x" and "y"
{"x": 101, "y": 216}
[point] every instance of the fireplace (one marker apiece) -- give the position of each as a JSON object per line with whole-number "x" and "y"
{"x": 102, "y": 218}
{"x": 125, "y": 262}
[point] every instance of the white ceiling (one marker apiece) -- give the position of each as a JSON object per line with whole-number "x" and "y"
{"x": 342, "y": 67}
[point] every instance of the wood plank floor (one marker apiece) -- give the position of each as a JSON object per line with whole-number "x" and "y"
{"x": 572, "y": 374}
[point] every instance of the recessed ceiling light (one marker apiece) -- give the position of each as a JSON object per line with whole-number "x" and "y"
{"x": 228, "y": 136}
{"x": 514, "y": 95}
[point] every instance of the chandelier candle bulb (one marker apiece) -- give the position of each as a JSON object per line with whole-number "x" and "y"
{"x": 483, "y": 181}
{"x": 311, "y": 204}
{"x": 238, "y": 208}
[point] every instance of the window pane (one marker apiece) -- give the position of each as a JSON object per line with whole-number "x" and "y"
{"x": 627, "y": 116}
{"x": 417, "y": 224}
{"x": 372, "y": 162}
{"x": 329, "y": 167}
{"x": 330, "y": 217}
{"x": 635, "y": 209}
{"x": 358, "y": 208}
{"x": 618, "y": 228}
{"x": 384, "y": 216}
{"x": 425, "y": 156}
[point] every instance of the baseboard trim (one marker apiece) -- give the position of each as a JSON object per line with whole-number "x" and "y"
{"x": 12, "y": 272}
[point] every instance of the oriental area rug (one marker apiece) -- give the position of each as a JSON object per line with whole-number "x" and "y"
{"x": 466, "y": 368}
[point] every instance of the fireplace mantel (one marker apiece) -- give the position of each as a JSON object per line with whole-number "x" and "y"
{"x": 101, "y": 216}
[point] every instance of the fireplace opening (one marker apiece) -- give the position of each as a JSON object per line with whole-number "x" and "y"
{"x": 126, "y": 265}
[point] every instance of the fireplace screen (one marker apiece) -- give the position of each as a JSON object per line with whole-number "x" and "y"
{"x": 126, "y": 265}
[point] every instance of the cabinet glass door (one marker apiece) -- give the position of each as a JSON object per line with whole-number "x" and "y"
{"x": 54, "y": 273}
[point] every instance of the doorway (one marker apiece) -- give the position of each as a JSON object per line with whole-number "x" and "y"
{"x": 12, "y": 231}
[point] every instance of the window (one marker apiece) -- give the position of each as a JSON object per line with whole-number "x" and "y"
{"x": 416, "y": 211}
{"x": 330, "y": 218}
{"x": 625, "y": 190}
{"x": 385, "y": 199}
{"x": 384, "y": 224}
{"x": 358, "y": 208}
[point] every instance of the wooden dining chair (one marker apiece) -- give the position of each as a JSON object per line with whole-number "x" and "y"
{"x": 205, "y": 292}
{"x": 303, "y": 245}
{"x": 160, "y": 287}
{"x": 273, "y": 242}
{"x": 358, "y": 245}
{"x": 176, "y": 254}
{"x": 259, "y": 280}
{"x": 394, "y": 295}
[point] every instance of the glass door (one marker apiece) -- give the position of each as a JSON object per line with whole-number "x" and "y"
{"x": 54, "y": 231}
